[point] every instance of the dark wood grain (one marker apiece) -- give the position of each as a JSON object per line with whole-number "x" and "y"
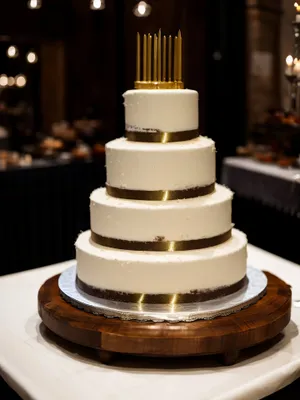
{"x": 223, "y": 335}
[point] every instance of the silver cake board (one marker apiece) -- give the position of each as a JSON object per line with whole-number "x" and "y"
{"x": 186, "y": 312}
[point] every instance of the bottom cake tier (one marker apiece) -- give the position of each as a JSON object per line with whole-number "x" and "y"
{"x": 161, "y": 277}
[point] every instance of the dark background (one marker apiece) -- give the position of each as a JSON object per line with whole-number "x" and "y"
{"x": 86, "y": 62}
{"x": 98, "y": 57}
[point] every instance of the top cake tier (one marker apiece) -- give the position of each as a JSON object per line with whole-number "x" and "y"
{"x": 163, "y": 110}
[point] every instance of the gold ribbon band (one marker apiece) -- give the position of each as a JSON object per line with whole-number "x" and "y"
{"x": 163, "y": 298}
{"x": 159, "y": 195}
{"x": 161, "y": 137}
{"x": 180, "y": 245}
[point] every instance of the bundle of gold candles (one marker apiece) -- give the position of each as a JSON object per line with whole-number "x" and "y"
{"x": 160, "y": 66}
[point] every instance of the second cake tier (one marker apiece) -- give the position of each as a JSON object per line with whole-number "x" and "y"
{"x": 158, "y": 221}
{"x": 156, "y": 166}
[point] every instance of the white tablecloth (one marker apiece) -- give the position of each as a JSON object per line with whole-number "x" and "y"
{"x": 38, "y": 368}
{"x": 290, "y": 174}
{"x": 270, "y": 184}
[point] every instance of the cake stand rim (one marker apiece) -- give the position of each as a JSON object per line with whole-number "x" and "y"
{"x": 186, "y": 312}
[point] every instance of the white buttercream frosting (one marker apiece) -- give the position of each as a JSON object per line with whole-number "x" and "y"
{"x": 153, "y": 166}
{"x": 155, "y": 272}
{"x": 157, "y": 166}
{"x": 166, "y": 110}
{"x": 186, "y": 219}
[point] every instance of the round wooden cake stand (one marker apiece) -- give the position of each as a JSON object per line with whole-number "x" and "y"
{"x": 223, "y": 335}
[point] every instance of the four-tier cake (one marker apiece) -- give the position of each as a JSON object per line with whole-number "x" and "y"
{"x": 161, "y": 229}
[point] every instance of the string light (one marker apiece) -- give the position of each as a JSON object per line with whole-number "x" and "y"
{"x": 34, "y": 4}
{"x": 11, "y": 81}
{"x": 32, "y": 57}
{"x": 97, "y": 4}
{"x": 20, "y": 81}
{"x": 142, "y": 9}
{"x": 289, "y": 60}
{"x": 3, "y": 80}
{"x": 12, "y": 52}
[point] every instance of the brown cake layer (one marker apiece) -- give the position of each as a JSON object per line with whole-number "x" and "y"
{"x": 191, "y": 297}
{"x": 161, "y": 244}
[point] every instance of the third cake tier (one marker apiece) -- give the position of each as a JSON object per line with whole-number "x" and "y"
{"x": 158, "y": 221}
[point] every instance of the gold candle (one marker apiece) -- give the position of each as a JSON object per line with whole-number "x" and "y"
{"x": 159, "y": 56}
{"x": 138, "y": 57}
{"x": 149, "y": 57}
{"x": 159, "y": 61}
{"x": 176, "y": 59}
{"x": 145, "y": 58}
{"x": 164, "y": 74}
{"x": 155, "y": 59}
{"x": 170, "y": 59}
{"x": 179, "y": 56}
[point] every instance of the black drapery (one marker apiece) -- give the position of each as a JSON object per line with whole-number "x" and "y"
{"x": 42, "y": 210}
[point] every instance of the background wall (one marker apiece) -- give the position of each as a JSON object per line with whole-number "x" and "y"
{"x": 287, "y": 40}
{"x": 269, "y": 41}
{"x": 264, "y": 54}
{"x": 225, "y": 76}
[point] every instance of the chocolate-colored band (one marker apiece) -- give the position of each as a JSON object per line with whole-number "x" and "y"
{"x": 161, "y": 245}
{"x": 159, "y": 195}
{"x": 141, "y": 298}
{"x": 158, "y": 136}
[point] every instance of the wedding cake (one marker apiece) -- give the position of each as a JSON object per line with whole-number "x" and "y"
{"x": 161, "y": 229}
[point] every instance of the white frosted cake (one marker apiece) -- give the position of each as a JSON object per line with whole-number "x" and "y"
{"x": 161, "y": 229}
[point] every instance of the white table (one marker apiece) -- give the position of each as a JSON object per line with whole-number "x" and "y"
{"x": 38, "y": 368}
{"x": 290, "y": 174}
{"x": 270, "y": 184}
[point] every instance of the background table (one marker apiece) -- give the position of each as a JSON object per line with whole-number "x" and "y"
{"x": 270, "y": 184}
{"x": 40, "y": 366}
{"x": 42, "y": 210}
{"x": 266, "y": 204}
